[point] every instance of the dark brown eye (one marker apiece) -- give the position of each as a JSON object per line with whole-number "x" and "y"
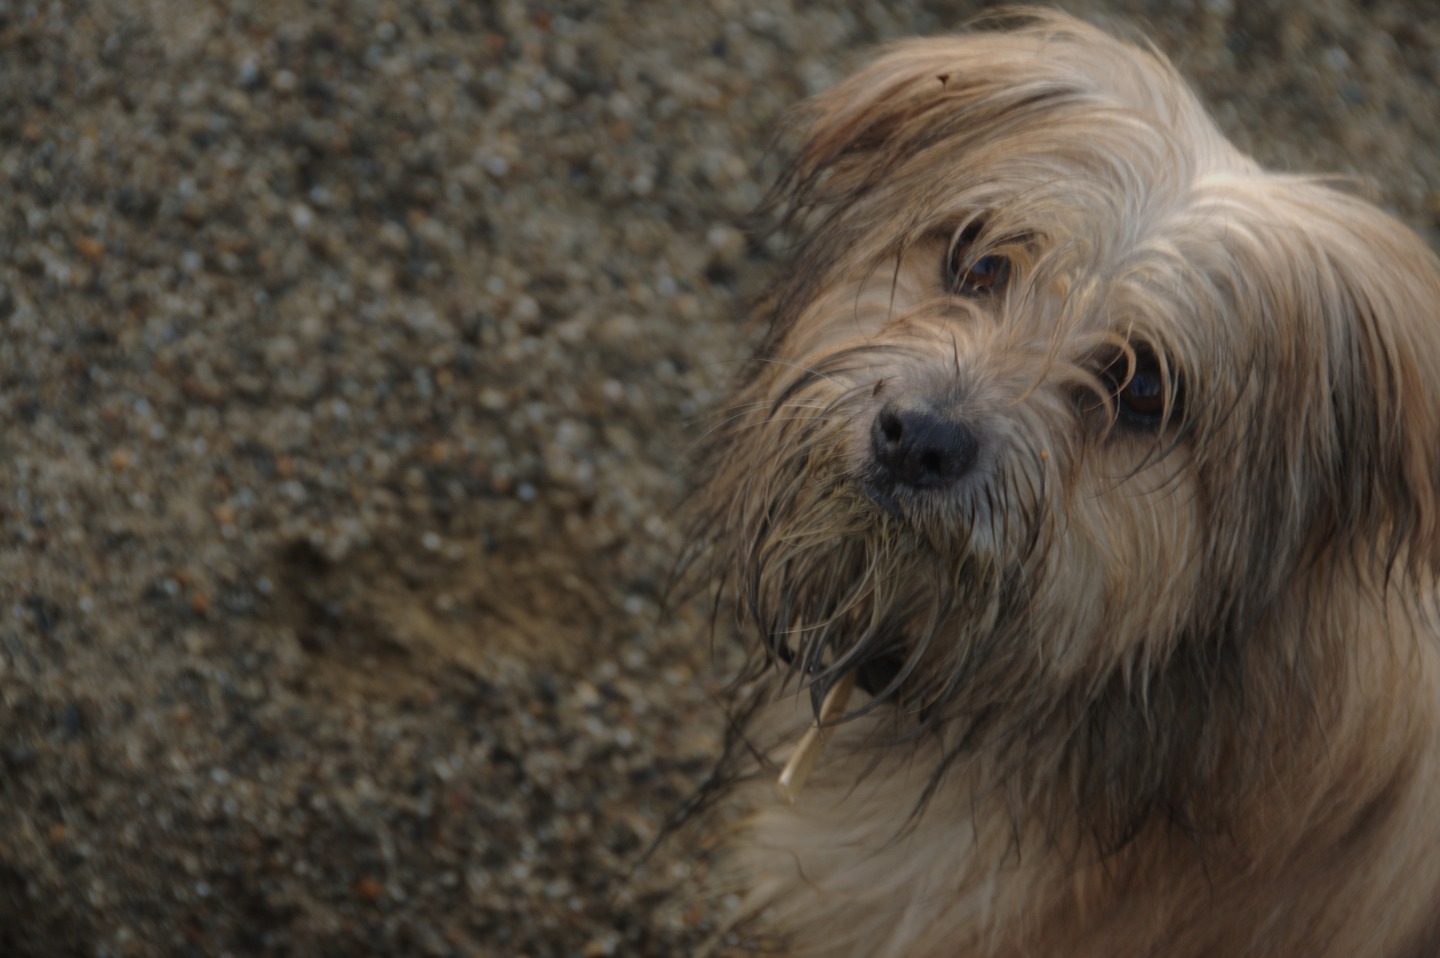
{"x": 1141, "y": 388}
{"x": 970, "y": 275}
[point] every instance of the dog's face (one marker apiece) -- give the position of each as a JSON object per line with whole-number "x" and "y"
{"x": 1061, "y": 387}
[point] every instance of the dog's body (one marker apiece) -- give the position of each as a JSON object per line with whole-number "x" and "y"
{"x": 1110, "y": 465}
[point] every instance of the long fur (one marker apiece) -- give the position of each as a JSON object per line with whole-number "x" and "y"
{"x": 1160, "y": 689}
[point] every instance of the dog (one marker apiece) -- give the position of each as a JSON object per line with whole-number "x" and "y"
{"x": 1082, "y": 513}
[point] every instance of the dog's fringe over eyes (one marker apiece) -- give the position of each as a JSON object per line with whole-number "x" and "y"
{"x": 1105, "y": 466}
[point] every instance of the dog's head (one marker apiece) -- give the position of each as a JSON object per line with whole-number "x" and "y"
{"x": 1061, "y": 389}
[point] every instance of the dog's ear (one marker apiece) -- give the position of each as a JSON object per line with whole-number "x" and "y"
{"x": 978, "y": 99}
{"x": 917, "y": 98}
{"x": 1386, "y": 380}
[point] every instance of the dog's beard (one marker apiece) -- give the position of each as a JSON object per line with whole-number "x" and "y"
{"x": 923, "y": 595}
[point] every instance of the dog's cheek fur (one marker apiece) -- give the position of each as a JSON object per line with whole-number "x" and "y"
{"x": 1123, "y": 544}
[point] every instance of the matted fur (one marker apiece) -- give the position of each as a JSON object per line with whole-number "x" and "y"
{"x": 1132, "y": 688}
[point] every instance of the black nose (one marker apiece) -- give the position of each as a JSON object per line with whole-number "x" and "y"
{"x": 916, "y": 445}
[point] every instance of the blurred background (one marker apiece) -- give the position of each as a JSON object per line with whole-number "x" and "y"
{"x": 351, "y": 358}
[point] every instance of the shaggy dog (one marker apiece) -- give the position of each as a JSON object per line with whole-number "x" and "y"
{"x": 1105, "y": 467}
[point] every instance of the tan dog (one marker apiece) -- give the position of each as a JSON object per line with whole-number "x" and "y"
{"x": 1106, "y": 465}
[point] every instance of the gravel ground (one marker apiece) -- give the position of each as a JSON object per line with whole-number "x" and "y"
{"x": 350, "y": 357}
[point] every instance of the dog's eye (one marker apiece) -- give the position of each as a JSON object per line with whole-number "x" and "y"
{"x": 971, "y": 275}
{"x": 1141, "y": 388}
{"x": 1143, "y": 397}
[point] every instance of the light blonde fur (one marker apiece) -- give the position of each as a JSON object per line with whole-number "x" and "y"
{"x": 1137, "y": 685}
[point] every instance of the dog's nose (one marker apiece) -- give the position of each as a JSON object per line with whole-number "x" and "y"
{"x": 917, "y": 445}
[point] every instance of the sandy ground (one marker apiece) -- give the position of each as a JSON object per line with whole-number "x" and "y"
{"x": 351, "y": 355}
